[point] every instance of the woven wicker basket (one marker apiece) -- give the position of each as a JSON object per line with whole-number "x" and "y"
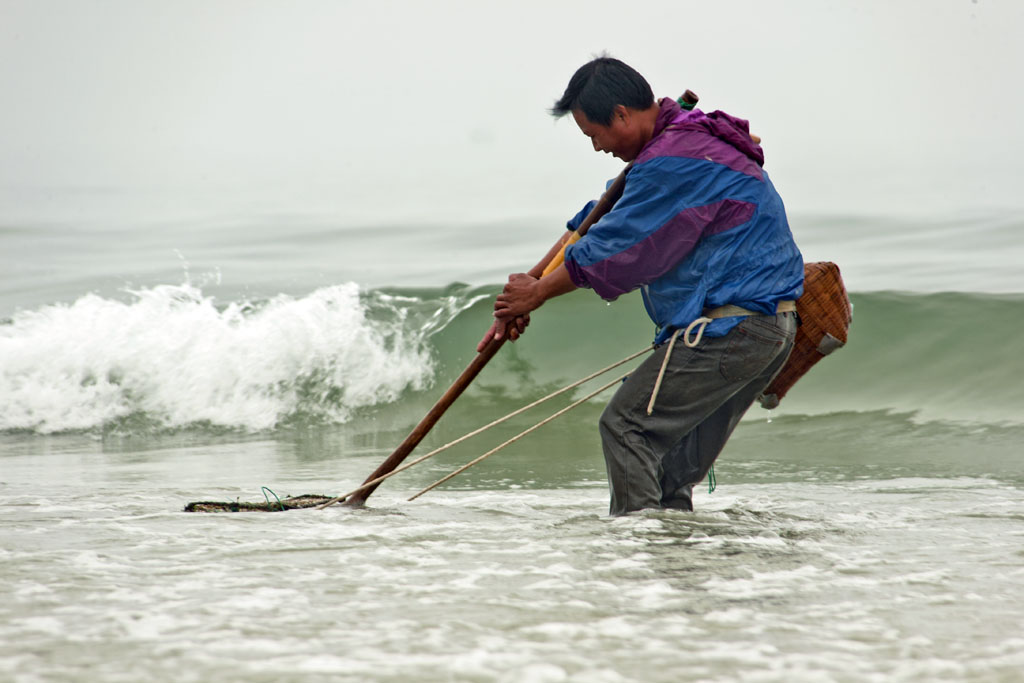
{"x": 825, "y": 315}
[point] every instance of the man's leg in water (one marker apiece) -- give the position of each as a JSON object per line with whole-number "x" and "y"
{"x": 704, "y": 393}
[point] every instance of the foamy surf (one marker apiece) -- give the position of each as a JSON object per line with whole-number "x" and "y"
{"x": 171, "y": 356}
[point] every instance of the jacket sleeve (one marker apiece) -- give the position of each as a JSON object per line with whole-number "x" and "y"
{"x": 662, "y": 214}
{"x": 574, "y": 222}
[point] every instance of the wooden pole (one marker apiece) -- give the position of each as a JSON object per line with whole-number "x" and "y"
{"x": 431, "y": 418}
{"x": 602, "y": 207}
{"x": 606, "y": 202}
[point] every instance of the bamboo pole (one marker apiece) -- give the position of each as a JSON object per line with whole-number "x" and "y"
{"x": 603, "y": 206}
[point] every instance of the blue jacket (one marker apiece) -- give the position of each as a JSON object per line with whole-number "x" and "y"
{"x": 699, "y": 225}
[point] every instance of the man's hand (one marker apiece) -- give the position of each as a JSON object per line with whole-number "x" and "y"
{"x": 497, "y": 331}
{"x": 523, "y": 294}
{"x": 520, "y": 296}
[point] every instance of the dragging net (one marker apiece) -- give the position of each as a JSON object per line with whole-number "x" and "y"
{"x": 277, "y": 505}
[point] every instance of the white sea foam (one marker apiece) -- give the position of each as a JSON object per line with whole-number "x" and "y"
{"x": 345, "y": 594}
{"x": 175, "y": 357}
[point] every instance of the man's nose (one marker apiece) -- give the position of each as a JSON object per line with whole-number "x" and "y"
{"x": 597, "y": 147}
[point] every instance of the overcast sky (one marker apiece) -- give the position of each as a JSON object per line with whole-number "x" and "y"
{"x": 407, "y": 107}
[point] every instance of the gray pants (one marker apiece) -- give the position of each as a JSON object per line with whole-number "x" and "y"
{"x": 654, "y": 460}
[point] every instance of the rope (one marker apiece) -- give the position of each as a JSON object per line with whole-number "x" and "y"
{"x": 661, "y": 372}
{"x": 495, "y": 423}
{"x": 520, "y": 435}
{"x": 700, "y": 323}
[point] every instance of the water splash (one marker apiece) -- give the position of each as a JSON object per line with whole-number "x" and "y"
{"x": 170, "y": 357}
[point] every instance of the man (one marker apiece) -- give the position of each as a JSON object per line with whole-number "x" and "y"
{"x": 699, "y": 226}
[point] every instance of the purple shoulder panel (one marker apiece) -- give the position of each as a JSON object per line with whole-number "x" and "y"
{"x": 694, "y": 142}
{"x": 729, "y": 214}
{"x": 660, "y": 251}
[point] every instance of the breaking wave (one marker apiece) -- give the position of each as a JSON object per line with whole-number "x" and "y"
{"x": 170, "y": 357}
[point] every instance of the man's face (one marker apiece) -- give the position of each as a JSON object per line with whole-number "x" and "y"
{"x": 620, "y": 138}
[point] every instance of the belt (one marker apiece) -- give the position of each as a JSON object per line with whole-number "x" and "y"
{"x": 730, "y": 311}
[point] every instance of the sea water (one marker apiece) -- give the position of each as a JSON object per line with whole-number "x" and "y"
{"x": 870, "y": 528}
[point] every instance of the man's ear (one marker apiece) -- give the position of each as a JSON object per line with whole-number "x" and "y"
{"x": 620, "y": 112}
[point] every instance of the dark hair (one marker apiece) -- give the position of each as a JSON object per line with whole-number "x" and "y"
{"x": 599, "y": 86}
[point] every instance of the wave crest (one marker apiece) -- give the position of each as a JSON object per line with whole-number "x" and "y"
{"x": 172, "y": 357}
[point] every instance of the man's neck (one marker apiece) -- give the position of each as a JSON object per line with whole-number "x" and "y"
{"x": 646, "y": 120}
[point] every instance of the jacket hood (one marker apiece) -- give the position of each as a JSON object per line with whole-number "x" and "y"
{"x": 735, "y": 132}
{"x": 731, "y": 130}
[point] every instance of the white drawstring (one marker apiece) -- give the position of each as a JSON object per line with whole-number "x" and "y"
{"x": 700, "y": 324}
